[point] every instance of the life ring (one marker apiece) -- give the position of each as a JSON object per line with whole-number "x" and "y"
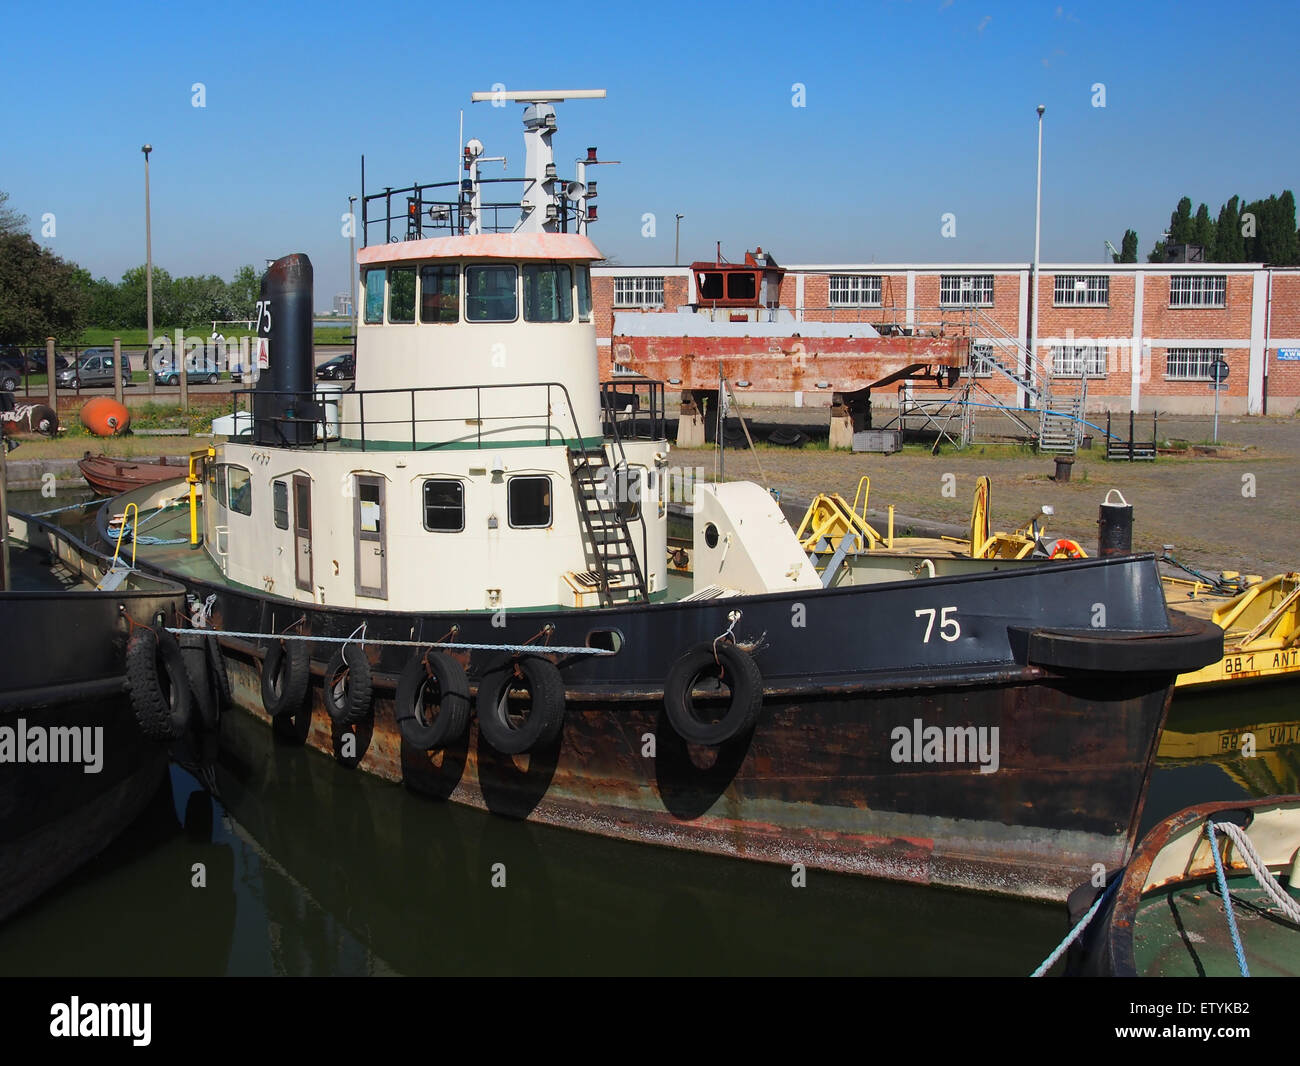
{"x": 158, "y": 684}
{"x": 203, "y": 680}
{"x": 433, "y": 681}
{"x": 1065, "y": 548}
{"x": 285, "y": 673}
{"x": 349, "y": 686}
{"x": 730, "y": 666}
{"x": 545, "y": 716}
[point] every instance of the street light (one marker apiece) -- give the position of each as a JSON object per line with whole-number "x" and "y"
{"x": 677, "y": 241}
{"x": 148, "y": 257}
{"x": 1038, "y": 225}
{"x": 352, "y": 262}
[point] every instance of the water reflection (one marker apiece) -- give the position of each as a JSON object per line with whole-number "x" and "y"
{"x": 310, "y": 868}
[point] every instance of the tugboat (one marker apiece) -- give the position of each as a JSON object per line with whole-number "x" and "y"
{"x": 455, "y": 574}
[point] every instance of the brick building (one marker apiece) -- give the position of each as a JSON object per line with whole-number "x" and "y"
{"x": 1139, "y": 337}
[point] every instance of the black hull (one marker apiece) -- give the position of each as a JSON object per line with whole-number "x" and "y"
{"x": 63, "y": 686}
{"x": 1079, "y": 713}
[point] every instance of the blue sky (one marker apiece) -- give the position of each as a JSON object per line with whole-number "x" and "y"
{"x": 913, "y": 109}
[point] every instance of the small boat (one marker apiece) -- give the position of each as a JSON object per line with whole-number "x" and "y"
{"x": 76, "y": 767}
{"x": 110, "y": 477}
{"x": 1166, "y": 914}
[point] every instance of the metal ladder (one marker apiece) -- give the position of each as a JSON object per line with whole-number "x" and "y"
{"x": 611, "y": 554}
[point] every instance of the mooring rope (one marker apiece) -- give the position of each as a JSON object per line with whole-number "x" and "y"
{"x": 1082, "y": 924}
{"x": 1262, "y": 873}
{"x": 456, "y": 645}
{"x": 1227, "y": 901}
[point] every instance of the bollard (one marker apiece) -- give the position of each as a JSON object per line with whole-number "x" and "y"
{"x": 1063, "y": 464}
{"x": 1115, "y": 526}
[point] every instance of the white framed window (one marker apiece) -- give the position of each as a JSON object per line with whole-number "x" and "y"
{"x": 1198, "y": 290}
{"x": 981, "y": 359}
{"x": 1075, "y": 360}
{"x": 855, "y": 290}
{"x": 966, "y": 290}
{"x": 1081, "y": 290}
{"x": 639, "y": 292}
{"x": 1190, "y": 364}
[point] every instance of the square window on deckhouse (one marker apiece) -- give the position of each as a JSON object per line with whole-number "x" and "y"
{"x": 440, "y": 294}
{"x": 529, "y": 502}
{"x": 375, "y": 295}
{"x": 548, "y": 292}
{"x": 401, "y": 294}
{"x": 444, "y": 506}
{"x": 490, "y": 294}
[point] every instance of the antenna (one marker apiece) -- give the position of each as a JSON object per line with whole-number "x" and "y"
{"x": 540, "y": 206}
{"x": 554, "y": 96}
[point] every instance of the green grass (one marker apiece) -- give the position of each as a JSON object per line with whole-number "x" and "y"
{"x": 97, "y": 336}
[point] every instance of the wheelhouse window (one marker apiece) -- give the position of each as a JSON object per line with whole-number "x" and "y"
{"x": 490, "y": 294}
{"x": 440, "y": 294}
{"x": 1081, "y": 290}
{"x": 401, "y": 294}
{"x": 1198, "y": 290}
{"x": 548, "y": 292}
{"x": 855, "y": 290}
{"x": 444, "y": 506}
{"x": 639, "y": 292}
{"x": 280, "y": 503}
{"x": 584, "y": 294}
{"x": 966, "y": 290}
{"x": 240, "y": 488}
{"x": 529, "y": 500}
{"x": 1191, "y": 364}
{"x": 375, "y": 295}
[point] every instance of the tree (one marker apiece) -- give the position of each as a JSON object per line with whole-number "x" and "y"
{"x": 39, "y": 294}
{"x": 1228, "y": 244}
{"x": 1180, "y": 223}
{"x": 10, "y": 220}
{"x": 1203, "y": 229}
{"x": 243, "y": 292}
{"x": 1128, "y": 249}
{"x": 1288, "y": 246}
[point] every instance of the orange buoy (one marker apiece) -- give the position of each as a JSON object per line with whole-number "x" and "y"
{"x": 105, "y": 417}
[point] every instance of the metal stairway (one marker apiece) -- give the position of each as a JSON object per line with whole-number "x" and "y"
{"x": 1058, "y": 427}
{"x": 614, "y": 565}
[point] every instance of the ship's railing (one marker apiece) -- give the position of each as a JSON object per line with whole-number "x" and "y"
{"x": 444, "y": 209}
{"x": 325, "y": 425}
{"x": 633, "y": 408}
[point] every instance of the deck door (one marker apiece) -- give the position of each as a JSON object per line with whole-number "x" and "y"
{"x": 370, "y": 524}
{"x": 302, "y": 531}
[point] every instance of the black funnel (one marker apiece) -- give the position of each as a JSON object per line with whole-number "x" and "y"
{"x": 284, "y": 411}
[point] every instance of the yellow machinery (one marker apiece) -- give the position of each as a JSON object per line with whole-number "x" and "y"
{"x": 1261, "y": 628}
{"x": 832, "y": 527}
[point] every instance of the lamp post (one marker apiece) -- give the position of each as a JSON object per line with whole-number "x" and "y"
{"x": 677, "y": 242}
{"x": 352, "y": 262}
{"x": 148, "y": 259}
{"x": 1030, "y": 366}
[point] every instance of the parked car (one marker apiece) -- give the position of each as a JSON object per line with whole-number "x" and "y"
{"x": 341, "y": 366}
{"x": 95, "y": 367}
{"x": 12, "y": 368}
{"x": 193, "y": 376}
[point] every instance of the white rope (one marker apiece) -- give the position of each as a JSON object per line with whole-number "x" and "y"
{"x": 201, "y": 612}
{"x": 539, "y": 648}
{"x": 1263, "y": 875}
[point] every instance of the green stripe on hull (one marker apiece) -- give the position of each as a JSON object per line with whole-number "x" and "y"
{"x": 462, "y": 446}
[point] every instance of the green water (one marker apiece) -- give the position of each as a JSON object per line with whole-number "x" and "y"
{"x": 314, "y": 869}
